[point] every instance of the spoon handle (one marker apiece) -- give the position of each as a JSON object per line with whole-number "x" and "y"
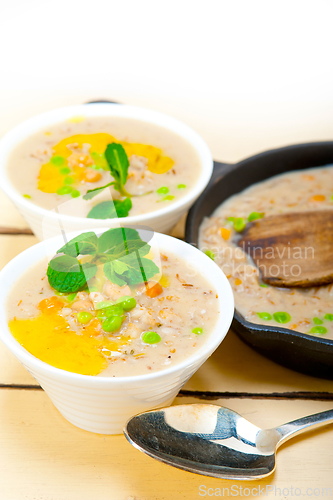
{"x": 286, "y": 431}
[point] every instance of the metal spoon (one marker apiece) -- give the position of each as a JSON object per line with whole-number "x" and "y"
{"x": 213, "y": 440}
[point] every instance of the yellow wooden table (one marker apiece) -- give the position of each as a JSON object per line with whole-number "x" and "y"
{"x": 43, "y": 457}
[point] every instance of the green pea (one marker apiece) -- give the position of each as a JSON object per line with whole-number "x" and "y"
{"x": 128, "y": 304}
{"x": 317, "y": 321}
{"x": 168, "y": 198}
{"x": 84, "y": 317}
{"x": 68, "y": 180}
{"x": 263, "y": 285}
{"x": 109, "y": 311}
{"x": 231, "y": 219}
{"x": 112, "y": 324}
{"x": 103, "y": 304}
{"x": 101, "y": 314}
{"x": 27, "y": 196}
{"x": 65, "y": 190}
{"x": 123, "y": 298}
{"x": 75, "y": 193}
{"x": 181, "y": 186}
{"x": 151, "y": 338}
{"x": 318, "y": 329}
{"x": 282, "y": 317}
{"x": 210, "y": 254}
{"x": 71, "y": 297}
{"x": 329, "y": 317}
{"x": 255, "y": 216}
{"x": 65, "y": 170}
{"x": 57, "y": 160}
{"x": 197, "y": 331}
{"x": 265, "y": 315}
{"x": 163, "y": 190}
{"x": 115, "y": 310}
{"x": 100, "y": 161}
{"x": 239, "y": 224}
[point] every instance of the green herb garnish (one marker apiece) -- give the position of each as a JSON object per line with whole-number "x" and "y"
{"x": 239, "y": 224}
{"x": 114, "y": 159}
{"x": 110, "y": 209}
{"x": 318, "y": 329}
{"x": 84, "y": 244}
{"x": 57, "y": 160}
{"x": 210, "y": 254}
{"x": 282, "y": 317}
{"x": 118, "y": 164}
{"x": 255, "y": 216}
{"x": 151, "y": 338}
{"x": 120, "y": 250}
{"x": 64, "y": 190}
{"x": 265, "y": 315}
{"x": 67, "y": 275}
{"x": 130, "y": 269}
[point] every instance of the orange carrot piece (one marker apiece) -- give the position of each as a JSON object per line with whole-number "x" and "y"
{"x": 154, "y": 291}
{"x": 225, "y": 233}
{"x": 318, "y": 197}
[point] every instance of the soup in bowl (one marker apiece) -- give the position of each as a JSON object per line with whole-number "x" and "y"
{"x": 103, "y": 162}
{"x": 114, "y": 323}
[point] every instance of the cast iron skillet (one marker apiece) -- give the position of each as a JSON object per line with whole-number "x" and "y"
{"x": 301, "y": 352}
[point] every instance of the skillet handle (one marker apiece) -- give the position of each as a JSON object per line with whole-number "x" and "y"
{"x": 221, "y": 169}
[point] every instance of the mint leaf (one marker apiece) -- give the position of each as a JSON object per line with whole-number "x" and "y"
{"x": 123, "y": 207}
{"x": 110, "y": 209}
{"x": 130, "y": 269}
{"x": 84, "y": 244}
{"x": 118, "y": 162}
{"x": 91, "y": 193}
{"x": 65, "y": 273}
{"x": 121, "y": 241}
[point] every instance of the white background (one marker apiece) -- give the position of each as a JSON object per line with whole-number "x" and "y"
{"x": 247, "y": 75}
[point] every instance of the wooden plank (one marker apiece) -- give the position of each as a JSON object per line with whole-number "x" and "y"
{"x": 45, "y": 457}
{"x": 10, "y": 216}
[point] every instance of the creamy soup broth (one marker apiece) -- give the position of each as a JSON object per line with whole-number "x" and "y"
{"x": 40, "y": 169}
{"x": 310, "y": 309}
{"x": 182, "y": 314}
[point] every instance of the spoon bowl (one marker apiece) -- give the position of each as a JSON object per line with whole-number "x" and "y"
{"x": 213, "y": 440}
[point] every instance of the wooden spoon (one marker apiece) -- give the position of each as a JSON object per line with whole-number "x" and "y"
{"x": 292, "y": 249}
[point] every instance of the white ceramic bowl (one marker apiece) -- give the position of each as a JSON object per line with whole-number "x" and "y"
{"x": 104, "y": 404}
{"x": 45, "y": 223}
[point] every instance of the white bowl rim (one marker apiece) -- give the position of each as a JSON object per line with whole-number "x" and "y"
{"x": 178, "y": 247}
{"x": 39, "y": 122}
